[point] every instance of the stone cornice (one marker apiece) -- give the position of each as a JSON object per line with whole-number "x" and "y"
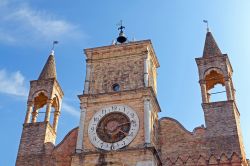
{"x": 152, "y": 149}
{"x": 52, "y": 81}
{"x": 136, "y": 94}
{"x": 132, "y": 48}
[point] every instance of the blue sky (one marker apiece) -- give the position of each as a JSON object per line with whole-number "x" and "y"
{"x": 27, "y": 29}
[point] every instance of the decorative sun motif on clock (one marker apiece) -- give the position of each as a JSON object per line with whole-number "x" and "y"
{"x": 113, "y": 127}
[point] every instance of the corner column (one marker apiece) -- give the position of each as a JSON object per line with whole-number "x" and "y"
{"x": 204, "y": 94}
{"x": 34, "y": 114}
{"x": 146, "y": 69}
{"x": 28, "y": 113}
{"x": 229, "y": 89}
{"x": 55, "y": 121}
{"x": 86, "y": 85}
{"x": 48, "y": 110}
{"x": 79, "y": 143}
{"x": 147, "y": 121}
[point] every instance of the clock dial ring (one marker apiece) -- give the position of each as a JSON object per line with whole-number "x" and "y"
{"x": 113, "y": 127}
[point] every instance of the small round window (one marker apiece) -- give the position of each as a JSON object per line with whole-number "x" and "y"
{"x": 116, "y": 87}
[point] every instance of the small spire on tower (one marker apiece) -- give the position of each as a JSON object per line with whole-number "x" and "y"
{"x": 211, "y": 48}
{"x": 49, "y": 69}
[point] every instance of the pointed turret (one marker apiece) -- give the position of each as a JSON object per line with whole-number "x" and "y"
{"x": 211, "y": 48}
{"x": 45, "y": 99}
{"x": 49, "y": 69}
{"x": 222, "y": 117}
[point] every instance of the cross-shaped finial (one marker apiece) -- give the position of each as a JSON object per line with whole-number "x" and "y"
{"x": 121, "y": 27}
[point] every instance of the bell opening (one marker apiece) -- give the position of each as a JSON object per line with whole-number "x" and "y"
{"x": 121, "y": 39}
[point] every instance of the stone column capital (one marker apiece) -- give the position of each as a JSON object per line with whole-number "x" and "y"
{"x": 50, "y": 101}
{"x": 30, "y": 103}
{"x": 202, "y": 81}
{"x": 57, "y": 113}
{"x": 83, "y": 106}
{"x": 227, "y": 78}
{"x": 146, "y": 53}
{"x": 146, "y": 98}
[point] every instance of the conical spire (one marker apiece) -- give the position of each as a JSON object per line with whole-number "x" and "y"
{"x": 49, "y": 69}
{"x": 211, "y": 48}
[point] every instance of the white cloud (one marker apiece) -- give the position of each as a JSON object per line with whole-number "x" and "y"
{"x": 12, "y": 83}
{"x": 71, "y": 110}
{"x": 25, "y": 24}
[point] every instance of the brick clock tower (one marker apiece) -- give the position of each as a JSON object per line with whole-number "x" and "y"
{"x": 119, "y": 123}
{"x": 119, "y": 109}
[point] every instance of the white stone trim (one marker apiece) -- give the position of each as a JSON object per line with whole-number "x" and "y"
{"x": 147, "y": 120}
{"x": 79, "y": 143}
{"x": 146, "y": 66}
{"x": 86, "y": 85}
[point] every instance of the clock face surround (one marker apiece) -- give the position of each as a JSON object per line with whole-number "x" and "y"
{"x": 113, "y": 127}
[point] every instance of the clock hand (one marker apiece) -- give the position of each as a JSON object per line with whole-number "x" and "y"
{"x": 126, "y": 134}
{"x": 115, "y": 127}
{"x": 120, "y": 126}
{"x": 123, "y": 124}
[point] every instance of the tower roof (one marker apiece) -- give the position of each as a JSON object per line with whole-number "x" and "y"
{"x": 211, "y": 48}
{"x": 49, "y": 69}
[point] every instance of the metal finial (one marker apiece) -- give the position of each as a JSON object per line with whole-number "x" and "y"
{"x": 53, "y": 46}
{"x": 121, "y": 38}
{"x": 120, "y": 26}
{"x": 205, "y": 21}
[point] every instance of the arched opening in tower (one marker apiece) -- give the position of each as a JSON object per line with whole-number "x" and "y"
{"x": 41, "y": 106}
{"x": 39, "y": 110}
{"x": 215, "y": 85}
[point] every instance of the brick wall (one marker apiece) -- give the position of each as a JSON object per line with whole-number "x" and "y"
{"x": 218, "y": 143}
{"x": 37, "y": 143}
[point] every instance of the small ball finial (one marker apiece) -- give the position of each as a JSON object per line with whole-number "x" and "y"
{"x": 52, "y": 52}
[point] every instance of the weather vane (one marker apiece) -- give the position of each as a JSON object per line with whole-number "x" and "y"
{"x": 54, "y": 43}
{"x": 205, "y": 21}
{"x": 53, "y": 47}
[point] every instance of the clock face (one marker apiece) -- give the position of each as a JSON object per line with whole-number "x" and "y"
{"x": 113, "y": 127}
